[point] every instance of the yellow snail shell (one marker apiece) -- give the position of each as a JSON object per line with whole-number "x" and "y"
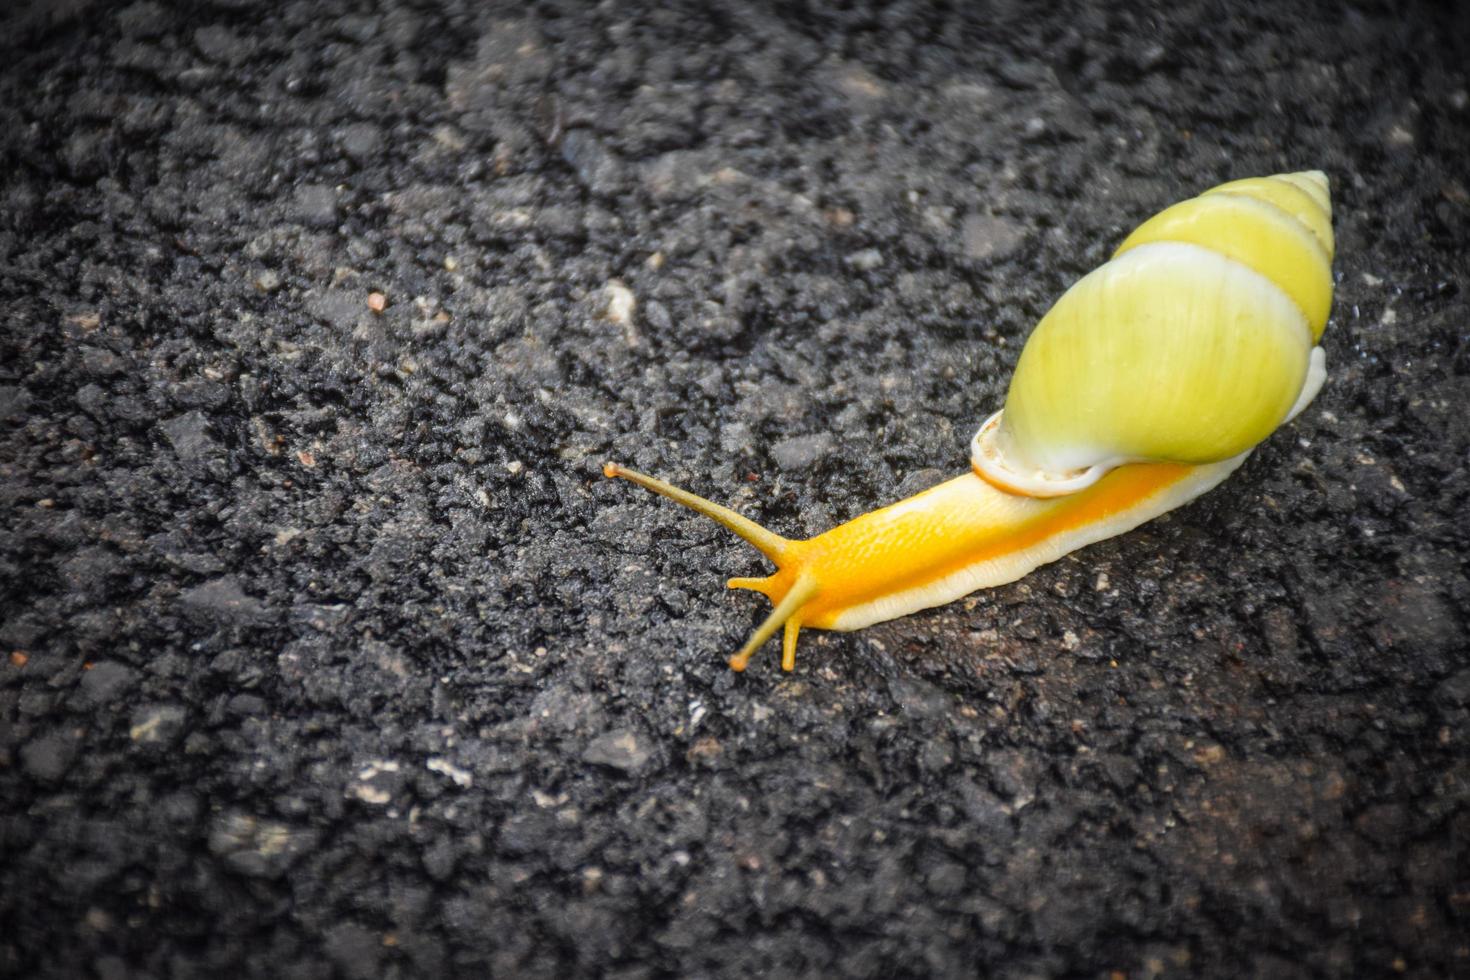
{"x": 1191, "y": 345}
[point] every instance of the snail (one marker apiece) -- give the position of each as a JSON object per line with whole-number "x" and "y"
{"x": 1146, "y": 384}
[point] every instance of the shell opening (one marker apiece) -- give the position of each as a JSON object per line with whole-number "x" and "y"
{"x": 990, "y": 462}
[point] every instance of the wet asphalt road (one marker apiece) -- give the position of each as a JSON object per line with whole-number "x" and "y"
{"x": 328, "y": 652}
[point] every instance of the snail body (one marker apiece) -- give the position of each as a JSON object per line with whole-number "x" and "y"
{"x": 1145, "y": 385}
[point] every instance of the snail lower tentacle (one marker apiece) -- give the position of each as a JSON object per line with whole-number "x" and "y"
{"x": 1146, "y": 384}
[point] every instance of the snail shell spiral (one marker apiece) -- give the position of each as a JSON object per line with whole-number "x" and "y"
{"x": 1191, "y": 345}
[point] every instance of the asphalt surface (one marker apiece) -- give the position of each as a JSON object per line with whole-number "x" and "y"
{"x": 327, "y": 651}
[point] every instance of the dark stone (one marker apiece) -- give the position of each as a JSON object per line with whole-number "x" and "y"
{"x": 342, "y": 310}
{"x": 106, "y": 682}
{"x": 528, "y": 832}
{"x": 1014, "y": 775}
{"x": 143, "y": 19}
{"x": 315, "y": 206}
{"x": 244, "y": 705}
{"x": 14, "y": 401}
{"x": 49, "y": 757}
{"x": 111, "y": 968}
{"x": 190, "y": 436}
{"x": 362, "y": 142}
{"x": 598, "y": 169}
{"x": 221, "y": 45}
{"x": 222, "y": 600}
{"x": 354, "y": 950}
{"x": 1455, "y": 690}
{"x": 1025, "y": 74}
{"x": 1416, "y": 618}
{"x": 102, "y": 363}
{"x": 439, "y": 859}
{"x": 356, "y": 28}
{"x": 173, "y": 547}
{"x": 90, "y": 571}
{"x": 85, "y": 155}
{"x": 947, "y": 880}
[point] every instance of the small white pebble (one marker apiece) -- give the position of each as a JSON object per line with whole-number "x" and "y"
{"x": 515, "y": 466}
{"x": 620, "y": 303}
{"x": 462, "y": 778}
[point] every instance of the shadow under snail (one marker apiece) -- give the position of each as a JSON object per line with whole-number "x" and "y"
{"x": 1147, "y": 384}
